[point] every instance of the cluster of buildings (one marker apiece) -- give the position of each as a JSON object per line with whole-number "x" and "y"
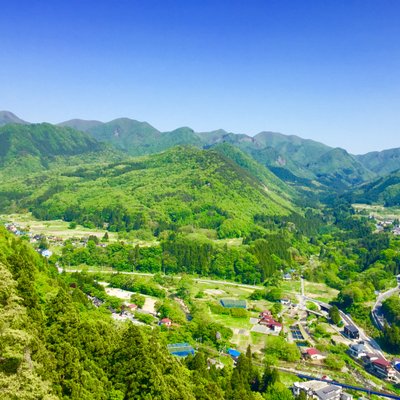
{"x": 387, "y": 225}
{"x": 373, "y": 363}
{"x": 267, "y": 320}
{"x": 33, "y": 238}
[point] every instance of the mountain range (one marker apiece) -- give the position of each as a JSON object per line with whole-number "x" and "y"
{"x": 306, "y": 164}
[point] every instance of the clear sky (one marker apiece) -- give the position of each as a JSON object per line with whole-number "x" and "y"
{"x": 325, "y": 70}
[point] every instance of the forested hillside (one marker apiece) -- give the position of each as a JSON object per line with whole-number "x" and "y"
{"x": 26, "y": 149}
{"x": 55, "y": 344}
{"x": 303, "y": 163}
{"x": 292, "y": 158}
{"x": 385, "y": 190}
{"x": 182, "y": 186}
{"x": 382, "y": 162}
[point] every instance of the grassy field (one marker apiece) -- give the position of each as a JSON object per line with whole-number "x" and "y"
{"x": 59, "y": 228}
{"x": 379, "y": 212}
{"x": 320, "y": 291}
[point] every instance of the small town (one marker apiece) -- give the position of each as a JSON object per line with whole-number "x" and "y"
{"x": 292, "y": 317}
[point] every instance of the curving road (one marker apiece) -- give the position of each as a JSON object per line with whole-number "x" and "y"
{"x": 376, "y": 309}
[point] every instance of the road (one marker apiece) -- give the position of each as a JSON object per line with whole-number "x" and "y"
{"x": 307, "y": 375}
{"x": 200, "y": 280}
{"x": 348, "y": 321}
{"x": 376, "y": 309}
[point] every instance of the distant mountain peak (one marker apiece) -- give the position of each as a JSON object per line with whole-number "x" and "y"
{"x": 7, "y": 117}
{"x": 81, "y": 124}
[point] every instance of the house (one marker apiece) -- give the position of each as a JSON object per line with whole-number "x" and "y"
{"x": 265, "y": 314}
{"x": 132, "y": 306}
{"x": 329, "y": 392}
{"x": 351, "y": 332}
{"x": 358, "y": 350}
{"x": 165, "y": 322}
{"x": 234, "y": 354}
{"x": 268, "y": 321}
{"x": 369, "y": 357}
{"x": 314, "y": 354}
{"x": 287, "y": 277}
{"x": 285, "y": 302}
{"x": 383, "y": 369}
{"x": 216, "y": 363}
{"x": 320, "y": 390}
{"x": 47, "y": 253}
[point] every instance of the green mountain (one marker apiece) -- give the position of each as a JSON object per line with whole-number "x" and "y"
{"x": 181, "y": 186}
{"x": 381, "y": 162}
{"x": 81, "y": 124}
{"x": 338, "y": 169}
{"x": 7, "y": 117}
{"x": 384, "y": 190}
{"x": 292, "y": 147}
{"x": 291, "y": 158}
{"x": 135, "y": 137}
{"x": 304, "y": 163}
{"x": 264, "y": 175}
{"x": 34, "y": 148}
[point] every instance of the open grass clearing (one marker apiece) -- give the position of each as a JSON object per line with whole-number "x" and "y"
{"x": 320, "y": 291}
{"x": 122, "y": 294}
{"x": 60, "y": 228}
{"x": 378, "y": 211}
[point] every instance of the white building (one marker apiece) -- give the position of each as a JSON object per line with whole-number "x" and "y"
{"x": 320, "y": 390}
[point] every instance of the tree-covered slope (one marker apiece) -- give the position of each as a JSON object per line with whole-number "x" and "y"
{"x": 31, "y": 148}
{"x": 304, "y": 163}
{"x": 81, "y": 124}
{"x": 182, "y": 186}
{"x": 55, "y": 344}
{"x": 296, "y": 149}
{"x": 264, "y": 175}
{"x": 338, "y": 169}
{"x": 381, "y": 162}
{"x": 384, "y": 190}
{"x": 135, "y": 137}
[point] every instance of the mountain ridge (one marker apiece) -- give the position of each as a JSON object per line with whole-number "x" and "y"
{"x": 294, "y": 159}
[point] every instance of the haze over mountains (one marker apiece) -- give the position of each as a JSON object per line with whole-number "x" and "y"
{"x": 303, "y": 163}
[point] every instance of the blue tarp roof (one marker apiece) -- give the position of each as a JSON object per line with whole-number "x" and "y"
{"x": 233, "y": 353}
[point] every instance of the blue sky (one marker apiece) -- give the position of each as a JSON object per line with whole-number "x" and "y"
{"x": 325, "y": 70}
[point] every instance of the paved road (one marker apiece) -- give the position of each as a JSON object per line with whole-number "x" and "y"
{"x": 309, "y": 376}
{"x": 349, "y": 321}
{"x": 376, "y": 309}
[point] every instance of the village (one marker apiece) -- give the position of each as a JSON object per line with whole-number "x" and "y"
{"x": 301, "y": 316}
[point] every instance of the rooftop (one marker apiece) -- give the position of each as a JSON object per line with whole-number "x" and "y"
{"x": 382, "y": 363}
{"x": 312, "y": 352}
{"x": 328, "y": 392}
{"x": 351, "y": 328}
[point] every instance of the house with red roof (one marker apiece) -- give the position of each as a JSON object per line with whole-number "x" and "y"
{"x": 265, "y": 314}
{"x": 383, "y": 369}
{"x": 165, "y": 322}
{"x": 314, "y": 354}
{"x": 268, "y": 321}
